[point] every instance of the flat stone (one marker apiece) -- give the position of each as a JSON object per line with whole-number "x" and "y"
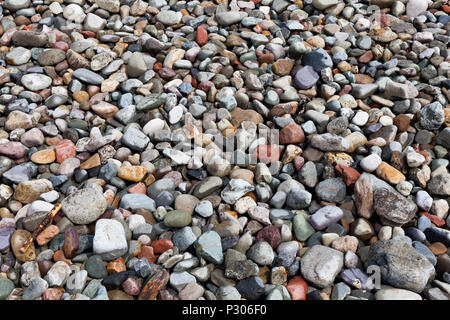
{"x": 36, "y": 81}
{"x": 88, "y": 76}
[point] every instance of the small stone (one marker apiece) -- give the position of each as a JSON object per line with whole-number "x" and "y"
{"x": 44, "y": 156}
{"x": 132, "y": 173}
{"x": 95, "y": 267}
{"x": 323, "y": 4}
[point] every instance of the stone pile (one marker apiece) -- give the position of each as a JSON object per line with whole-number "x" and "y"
{"x": 225, "y": 149}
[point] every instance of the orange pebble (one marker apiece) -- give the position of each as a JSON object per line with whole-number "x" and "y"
{"x": 59, "y": 256}
{"x": 116, "y": 266}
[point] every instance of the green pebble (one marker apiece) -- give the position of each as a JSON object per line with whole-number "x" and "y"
{"x": 6, "y": 287}
{"x": 177, "y": 219}
{"x": 302, "y": 228}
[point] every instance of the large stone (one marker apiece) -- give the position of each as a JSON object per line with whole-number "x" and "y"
{"x": 135, "y": 201}
{"x": 393, "y": 209}
{"x": 15, "y": 5}
{"x": 331, "y": 190}
{"x": 326, "y": 216}
{"x": 396, "y": 294}
{"x": 84, "y": 206}
{"x": 432, "y": 116}
{"x": 51, "y": 57}
{"x": 440, "y": 185}
{"x": 319, "y": 59}
{"x": 136, "y": 66}
{"x": 416, "y": 7}
{"x": 109, "y": 5}
{"x": 320, "y": 265}
{"x": 401, "y": 265}
{"x": 109, "y": 239}
{"x": 169, "y": 17}
{"x": 29, "y": 39}
{"x": 29, "y": 191}
{"x": 323, "y": 4}
{"x": 209, "y": 247}
{"x": 306, "y": 78}
{"x": 36, "y": 81}
{"x": 88, "y": 76}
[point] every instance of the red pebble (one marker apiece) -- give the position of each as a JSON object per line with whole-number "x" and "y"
{"x": 107, "y": 214}
{"x": 292, "y": 134}
{"x": 12, "y": 149}
{"x": 194, "y": 82}
{"x": 201, "y": 36}
{"x": 131, "y": 287}
{"x": 267, "y": 153}
{"x": 346, "y": 89}
{"x": 61, "y": 45}
{"x": 348, "y": 174}
{"x": 65, "y": 149}
{"x": 88, "y": 34}
{"x": 160, "y": 246}
{"x": 147, "y": 252}
{"x": 299, "y": 162}
{"x": 71, "y": 242}
{"x": 157, "y": 66}
{"x": 271, "y": 235}
{"x": 297, "y": 288}
{"x": 61, "y": 66}
{"x": 52, "y": 294}
{"x": 435, "y": 219}
{"x": 44, "y": 266}
{"x": 205, "y": 85}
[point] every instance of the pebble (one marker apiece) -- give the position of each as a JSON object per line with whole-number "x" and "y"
{"x": 326, "y": 216}
{"x": 209, "y": 246}
{"x": 401, "y": 266}
{"x": 109, "y": 239}
{"x": 84, "y": 206}
{"x": 318, "y": 256}
{"x": 36, "y": 81}
{"x": 256, "y": 150}
{"x": 396, "y": 294}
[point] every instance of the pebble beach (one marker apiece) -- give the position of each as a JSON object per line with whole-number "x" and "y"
{"x": 224, "y": 150}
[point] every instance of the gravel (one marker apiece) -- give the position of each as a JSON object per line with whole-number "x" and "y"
{"x": 262, "y": 150}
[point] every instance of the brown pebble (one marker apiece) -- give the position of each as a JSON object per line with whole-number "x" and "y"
{"x": 437, "y": 248}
